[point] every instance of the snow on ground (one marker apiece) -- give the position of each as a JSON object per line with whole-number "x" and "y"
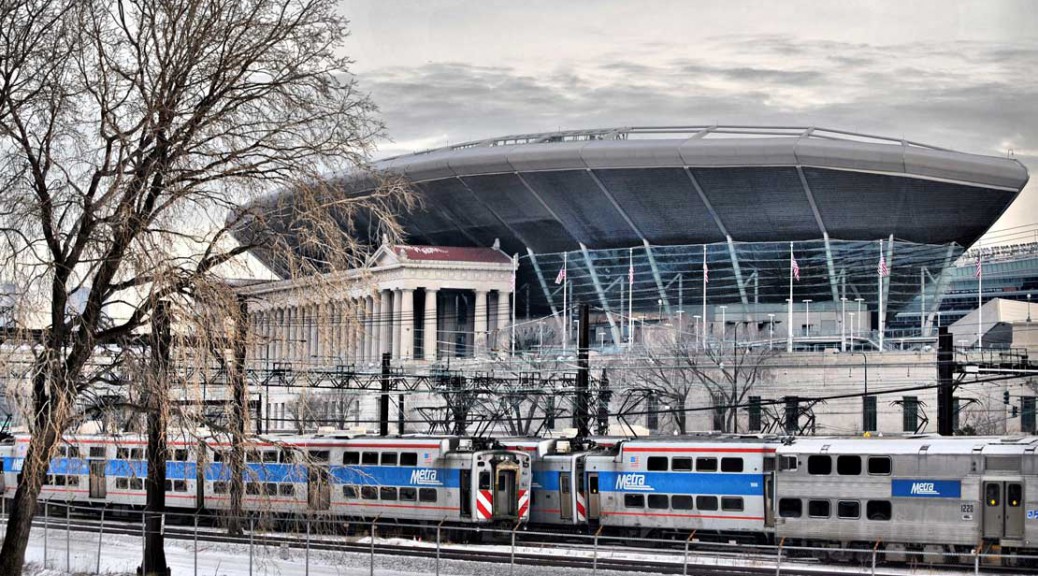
{"x": 120, "y": 554}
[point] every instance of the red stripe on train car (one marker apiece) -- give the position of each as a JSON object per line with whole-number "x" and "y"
{"x": 668, "y": 515}
{"x": 702, "y": 450}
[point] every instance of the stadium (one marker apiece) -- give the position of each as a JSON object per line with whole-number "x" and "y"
{"x": 642, "y": 211}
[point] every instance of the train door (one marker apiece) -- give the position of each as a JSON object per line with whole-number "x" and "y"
{"x": 1003, "y": 509}
{"x": 98, "y": 487}
{"x": 506, "y": 494}
{"x": 318, "y": 489}
{"x": 769, "y": 492}
{"x": 466, "y": 494}
{"x": 593, "y": 504}
{"x": 2, "y": 486}
{"x": 565, "y": 496}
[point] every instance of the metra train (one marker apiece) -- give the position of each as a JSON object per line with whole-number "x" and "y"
{"x": 913, "y": 497}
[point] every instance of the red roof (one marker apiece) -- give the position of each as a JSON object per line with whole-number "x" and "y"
{"x": 453, "y": 254}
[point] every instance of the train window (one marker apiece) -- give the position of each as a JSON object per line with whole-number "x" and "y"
{"x": 818, "y": 508}
{"x": 878, "y": 510}
{"x": 180, "y": 485}
{"x": 270, "y": 456}
{"x": 634, "y": 500}
{"x": 287, "y": 456}
{"x": 731, "y": 464}
{"x": 427, "y": 494}
{"x": 252, "y": 456}
{"x": 73, "y": 480}
{"x": 790, "y": 507}
{"x": 252, "y": 488}
{"x": 731, "y": 504}
{"x": 369, "y": 492}
{"x": 681, "y": 464}
{"x": 387, "y": 493}
{"x": 848, "y": 465}
{"x": 218, "y": 487}
{"x": 369, "y": 458}
{"x": 769, "y": 465}
{"x": 217, "y": 456}
{"x": 408, "y": 494}
{"x": 659, "y": 501}
{"x": 136, "y": 454}
{"x": 319, "y": 455}
{"x": 120, "y": 483}
{"x": 848, "y": 509}
{"x": 706, "y": 502}
{"x": 180, "y": 455}
{"x": 706, "y": 464}
{"x": 880, "y": 465}
{"x": 484, "y": 480}
{"x": 681, "y": 502}
{"x": 270, "y": 489}
{"x": 788, "y": 463}
{"x": 97, "y": 451}
{"x": 1013, "y": 495}
{"x": 122, "y": 453}
{"x": 289, "y": 490}
{"x": 136, "y": 484}
{"x": 819, "y": 465}
{"x": 389, "y": 458}
{"x": 73, "y": 452}
{"x": 351, "y": 458}
{"x": 59, "y": 480}
{"x": 657, "y": 464}
{"x": 169, "y": 485}
{"x": 408, "y": 459}
{"x": 350, "y": 492}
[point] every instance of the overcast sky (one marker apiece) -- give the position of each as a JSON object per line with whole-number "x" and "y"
{"x": 956, "y": 74}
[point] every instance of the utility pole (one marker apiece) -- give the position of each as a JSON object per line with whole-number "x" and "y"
{"x": 581, "y": 416}
{"x": 604, "y": 396}
{"x": 945, "y": 388}
{"x": 383, "y": 399}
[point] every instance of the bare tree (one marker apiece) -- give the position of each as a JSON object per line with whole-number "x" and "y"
{"x": 130, "y": 133}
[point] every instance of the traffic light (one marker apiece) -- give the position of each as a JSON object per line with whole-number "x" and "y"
{"x": 1014, "y": 412}
{"x": 1005, "y": 397}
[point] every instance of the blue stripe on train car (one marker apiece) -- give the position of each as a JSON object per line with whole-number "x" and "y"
{"x": 547, "y": 480}
{"x": 131, "y": 468}
{"x": 270, "y": 472}
{"x": 397, "y": 476}
{"x": 682, "y": 483}
{"x": 12, "y": 464}
{"x": 74, "y": 466}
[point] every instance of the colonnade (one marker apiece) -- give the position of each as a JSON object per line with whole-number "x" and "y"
{"x": 359, "y": 330}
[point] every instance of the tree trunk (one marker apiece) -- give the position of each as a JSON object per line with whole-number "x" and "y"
{"x": 157, "y": 404}
{"x": 239, "y": 412}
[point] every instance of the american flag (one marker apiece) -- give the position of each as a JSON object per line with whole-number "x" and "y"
{"x": 980, "y": 269}
{"x": 882, "y": 269}
{"x": 706, "y": 273}
{"x": 562, "y": 276}
{"x": 794, "y": 267}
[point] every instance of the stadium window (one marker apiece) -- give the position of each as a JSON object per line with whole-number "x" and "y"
{"x": 97, "y": 451}
{"x": 408, "y": 494}
{"x": 731, "y": 465}
{"x": 657, "y": 464}
{"x": 1027, "y": 414}
{"x": 681, "y": 464}
{"x": 389, "y": 458}
{"x": 790, "y": 507}
{"x": 706, "y": 464}
{"x": 270, "y": 489}
{"x": 351, "y": 458}
{"x": 878, "y": 510}
{"x": 408, "y": 459}
{"x": 848, "y": 465}
{"x": 910, "y": 413}
{"x": 350, "y": 492}
{"x": 869, "y": 408}
{"x": 848, "y": 509}
{"x": 319, "y": 455}
{"x": 731, "y": 504}
{"x": 755, "y": 414}
{"x": 219, "y": 487}
{"x": 819, "y": 465}
{"x": 880, "y": 465}
{"x": 706, "y": 502}
{"x": 427, "y": 494}
{"x": 634, "y": 500}
{"x": 681, "y": 502}
{"x": 286, "y": 489}
{"x": 369, "y": 492}
{"x": 369, "y": 459}
{"x": 818, "y": 508}
{"x": 387, "y": 493}
{"x": 659, "y": 501}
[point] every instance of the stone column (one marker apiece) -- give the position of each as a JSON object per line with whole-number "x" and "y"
{"x": 504, "y": 330}
{"x": 430, "y": 338}
{"x": 398, "y": 324}
{"x": 290, "y": 334}
{"x": 385, "y": 324}
{"x": 407, "y": 323}
{"x": 356, "y": 317}
{"x": 369, "y": 332}
{"x": 278, "y": 329}
{"x": 479, "y": 311}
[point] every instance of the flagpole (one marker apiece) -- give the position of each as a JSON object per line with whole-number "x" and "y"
{"x": 980, "y": 302}
{"x": 630, "y": 297}
{"x": 789, "y": 304}
{"x": 704, "y": 297}
{"x": 880, "y": 274}
{"x": 565, "y": 301}
{"x": 515, "y": 296}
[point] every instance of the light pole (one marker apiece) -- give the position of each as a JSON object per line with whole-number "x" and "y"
{"x": 724, "y": 326}
{"x": 1028, "y": 306}
{"x": 807, "y": 317}
{"x": 696, "y": 328}
{"x": 659, "y": 315}
{"x": 681, "y": 324}
{"x": 852, "y": 331}
{"x": 771, "y": 329}
{"x": 859, "y": 300}
{"x": 843, "y": 324}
